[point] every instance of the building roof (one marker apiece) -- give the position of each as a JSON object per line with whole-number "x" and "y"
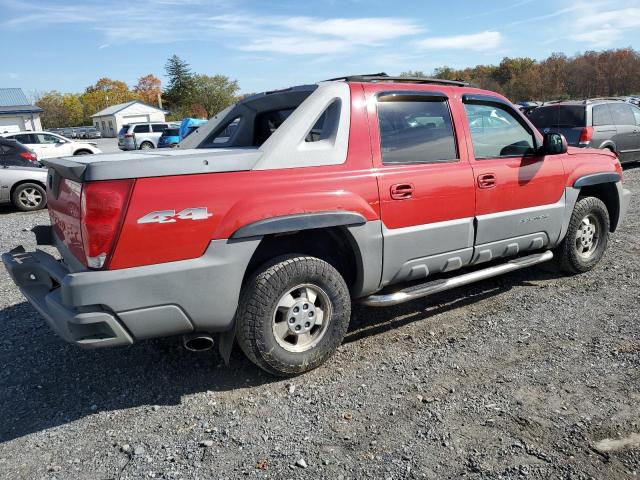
{"x": 113, "y": 109}
{"x": 12, "y": 97}
{"x": 13, "y": 100}
{"x": 20, "y": 109}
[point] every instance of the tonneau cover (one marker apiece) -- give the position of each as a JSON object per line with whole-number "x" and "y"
{"x": 141, "y": 164}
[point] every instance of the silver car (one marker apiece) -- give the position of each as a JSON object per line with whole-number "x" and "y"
{"x": 142, "y": 136}
{"x": 22, "y": 180}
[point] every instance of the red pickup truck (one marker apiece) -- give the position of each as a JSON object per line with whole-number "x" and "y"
{"x": 265, "y": 223}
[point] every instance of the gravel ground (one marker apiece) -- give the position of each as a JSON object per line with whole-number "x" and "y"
{"x": 525, "y": 375}
{"x": 107, "y": 145}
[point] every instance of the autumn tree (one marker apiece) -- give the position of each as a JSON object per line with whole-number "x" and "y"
{"x": 587, "y": 75}
{"x": 148, "y": 89}
{"x": 104, "y": 93}
{"x": 60, "y": 110}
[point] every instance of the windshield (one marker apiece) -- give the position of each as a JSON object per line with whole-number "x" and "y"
{"x": 558, "y": 116}
{"x": 171, "y": 132}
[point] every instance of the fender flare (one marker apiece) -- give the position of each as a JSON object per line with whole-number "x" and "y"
{"x": 608, "y": 144}
{"x": 596, "y": 178}
{"x": 297, "y": 222}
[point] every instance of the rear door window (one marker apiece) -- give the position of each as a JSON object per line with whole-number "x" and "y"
{"x": 141, "y": 129}
{"x": 158, "y": 127}
{"x": 601, "y": 115}
{"x": 559, "y": 116}
{"x": 622, "y": 114}
{"x": 25, "y": 138}
{"x": 415, "y": 129}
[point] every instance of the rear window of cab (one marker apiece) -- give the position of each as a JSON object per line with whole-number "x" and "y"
{"x": 559, "y": 116}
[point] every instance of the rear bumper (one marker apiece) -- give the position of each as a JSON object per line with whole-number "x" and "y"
{"x": 38, "y": 275}
{"x": 127, "y": 144}
{"x": 117, "y": 307}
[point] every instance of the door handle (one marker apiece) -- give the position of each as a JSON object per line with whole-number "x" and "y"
{"x": 486, "y": 180}
{"x": 401, "y": 191}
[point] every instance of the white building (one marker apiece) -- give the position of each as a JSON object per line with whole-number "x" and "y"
{"x": 16, "y": 112}
{"x": 110, "y": 120}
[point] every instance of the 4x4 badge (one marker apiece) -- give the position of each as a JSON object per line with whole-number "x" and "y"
{"x": 170, "y": 216}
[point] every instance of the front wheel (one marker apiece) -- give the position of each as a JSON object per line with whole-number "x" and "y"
{"x": 293, "y": 314}
{"x": 587, "y": 236}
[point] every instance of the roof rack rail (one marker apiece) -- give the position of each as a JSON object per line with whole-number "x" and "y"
{"x": 383, "y": 77}
{"x": 598, "y": 99}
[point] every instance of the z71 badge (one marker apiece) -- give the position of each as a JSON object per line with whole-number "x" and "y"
{"x": 170, "y": 216}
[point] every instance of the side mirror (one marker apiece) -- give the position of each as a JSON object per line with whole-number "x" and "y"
{"x": 554, "y": 144}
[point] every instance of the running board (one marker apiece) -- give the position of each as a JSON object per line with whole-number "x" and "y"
{"x": 436, "y": 286}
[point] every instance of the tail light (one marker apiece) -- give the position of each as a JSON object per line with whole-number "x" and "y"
{"x": 618, "y": 168}
{"x": 586, "y": 134}
{"x": 29, "y": 156}
{"x": 128, "y": 135}
{"x": 103, "y": 206}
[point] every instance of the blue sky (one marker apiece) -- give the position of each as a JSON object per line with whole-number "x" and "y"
{"x": 67, "y": 45}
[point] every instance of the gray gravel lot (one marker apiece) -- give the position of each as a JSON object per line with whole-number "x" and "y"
{"x": 520, "y": 376}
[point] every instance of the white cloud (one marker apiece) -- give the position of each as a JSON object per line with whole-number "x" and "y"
{"x": 104, "y": 45}
{"x": 603, "y": 28}
{"x": 296, "y": 46}
{"x": 482, "y": 41}
{"x": 357, "y": 30}
{"x": 300, "y": 35}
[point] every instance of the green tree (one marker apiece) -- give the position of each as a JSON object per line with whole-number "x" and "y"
{"x": 180, "y": 87}
{"x": 414, "y": 73}
{"x": 60, "y": 110}
{"x": 214, "y": 93}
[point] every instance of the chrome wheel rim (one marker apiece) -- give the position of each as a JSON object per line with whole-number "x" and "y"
{"x": 301, "y": 318}
{"x": 30, "y": 197}
{"x": 146, "y": 146}
{"x": 587, "y": 237}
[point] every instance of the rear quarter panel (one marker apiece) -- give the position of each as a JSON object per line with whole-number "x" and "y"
{"x": 236, "y": 199}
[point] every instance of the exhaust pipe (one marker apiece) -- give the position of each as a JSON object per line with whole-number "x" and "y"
{"x": 198, "y": 342}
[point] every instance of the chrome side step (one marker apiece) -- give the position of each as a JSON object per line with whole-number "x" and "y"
{"x": 429, "y": 288}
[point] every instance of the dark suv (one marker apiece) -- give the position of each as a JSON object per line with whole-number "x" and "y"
{"x": 596, "y": 123}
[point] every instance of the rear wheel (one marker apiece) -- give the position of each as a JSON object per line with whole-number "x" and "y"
{"x": 146, "y": 146}
{"x": 29, "y": 197}
{"x": 587, "y": 236}
{"x": 293, "y": 314}
{"x": 83, "y": 152}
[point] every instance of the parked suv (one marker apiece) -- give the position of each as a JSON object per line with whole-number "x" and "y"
{"x": 597, "y": 123}
{"x": 142, "y": 136}
{"x": 22, "y": 179}
{"x": 320, "y": 194}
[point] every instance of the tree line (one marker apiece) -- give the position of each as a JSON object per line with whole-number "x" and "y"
{"x": 186, "y": 94}
{"x": 557, "y": 77}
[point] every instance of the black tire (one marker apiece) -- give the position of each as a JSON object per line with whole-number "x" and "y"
{"x": 256, "y": 315}
{"x": 29, "y": 197}
{"x": 568, "y": 253}
{"x": 82, "y": 152}
{"x": 146, "y": 146}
